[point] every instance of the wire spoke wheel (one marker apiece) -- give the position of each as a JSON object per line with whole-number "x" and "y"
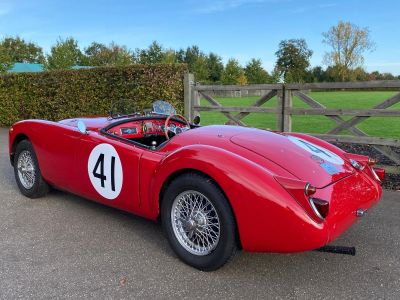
{"x": 195, "y": 223}
{"x": 26, "y": 169}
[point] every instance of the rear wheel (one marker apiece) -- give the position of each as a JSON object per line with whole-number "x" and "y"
{"x": 199, "y": 222}
{"x": 27, "y": 172}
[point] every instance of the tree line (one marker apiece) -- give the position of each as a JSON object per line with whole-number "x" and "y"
{"x": 344, "y": 61}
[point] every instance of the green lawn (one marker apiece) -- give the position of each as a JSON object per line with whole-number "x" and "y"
{"x": 374, "y": 126}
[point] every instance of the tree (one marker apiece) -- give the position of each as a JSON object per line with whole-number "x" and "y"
{"x": 64, "y": 54}
{"x": 348, "y": 43}
{"x": 170, "y": 57}
{"x": 358, "y": 74}
{"x": 5, "y": 60}
{"x": 21, "y": 51}
{"x": 317, "y": 74}
{"x": 275, "y": 77}
{"x": 154, "y": 54}
{"x": 293, "y": 58}
{"x": 255, "y": 73}
{"x": 96, "y": 54}
{"x": 192, "y": 54}
{"x": 215, "y": 67}
{"x": 200, "y": 69}
{"x": 233, "y": 73}
{"x": 114, "y": 55}
{"x": 180, "y": 56}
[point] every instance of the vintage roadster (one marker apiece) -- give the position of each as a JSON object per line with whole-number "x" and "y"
{"x": 215, "y": 189}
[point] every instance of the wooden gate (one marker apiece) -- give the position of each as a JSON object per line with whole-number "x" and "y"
{"x": 358, "y": 115}
{"x": 284, "y": 109}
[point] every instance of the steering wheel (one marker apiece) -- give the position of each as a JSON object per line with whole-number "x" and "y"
{"x": 174, "y": 129}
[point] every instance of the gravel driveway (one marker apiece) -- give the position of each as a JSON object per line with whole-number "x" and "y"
{"x": 63, "y": 246}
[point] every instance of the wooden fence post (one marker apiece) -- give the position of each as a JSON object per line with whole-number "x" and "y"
{"x": 287, "y": 104}
{"x": 188, "y": 82}
{"x": 195, "y": 102}
{"x": 279, "y": 109}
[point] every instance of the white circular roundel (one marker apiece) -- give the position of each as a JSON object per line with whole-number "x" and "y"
{"x": 321, "y": 152}
{"x": 105, "y": 171}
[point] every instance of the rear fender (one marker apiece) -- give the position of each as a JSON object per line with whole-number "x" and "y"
{"x": 319, "y": 142}
{"x": 267, "y": 216}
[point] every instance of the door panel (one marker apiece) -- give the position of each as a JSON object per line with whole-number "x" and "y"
{"x": 108, "y": 171}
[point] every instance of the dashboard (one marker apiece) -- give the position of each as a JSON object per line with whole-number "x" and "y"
{"x": 144, "y": 128}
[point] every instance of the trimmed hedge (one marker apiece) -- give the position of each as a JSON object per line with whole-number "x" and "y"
{"x": 64, "y": 94}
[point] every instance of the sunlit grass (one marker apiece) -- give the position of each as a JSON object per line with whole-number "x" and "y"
{"x": 374, "y": 126}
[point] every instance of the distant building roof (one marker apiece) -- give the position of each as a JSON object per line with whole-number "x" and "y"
{"x": 26, "y": 67}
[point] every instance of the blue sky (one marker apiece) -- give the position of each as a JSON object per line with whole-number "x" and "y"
{"x": 231, "y": 28}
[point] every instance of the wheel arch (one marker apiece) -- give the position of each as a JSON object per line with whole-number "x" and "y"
{"x": 181, "y": 172}
{"x": 18, "y": 138}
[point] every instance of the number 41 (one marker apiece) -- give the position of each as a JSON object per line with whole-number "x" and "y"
{"x": 101, "y": 176}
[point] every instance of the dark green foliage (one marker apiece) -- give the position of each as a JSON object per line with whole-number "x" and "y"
{"x": 21, "y": 51}
{"x": 64, "y": 94}
{"x": 293, "y": 58}
{"x": 5, "y": 60}
{"x": 215, "y": 67}
{"x": 200, "y": 69}
{"x": 331, "y": 74}
{"x": 255, "y": 73}
{"x": 64, "y": 54}
{"x": 191, "y": 55}
{"x": 97, "y": 54}
{"x": 154, "y": 54}
{"x": 233, "y": 73}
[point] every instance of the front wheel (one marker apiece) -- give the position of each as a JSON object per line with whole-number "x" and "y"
{"x": 199, "y": 222}
{"x": 27, "y": 172}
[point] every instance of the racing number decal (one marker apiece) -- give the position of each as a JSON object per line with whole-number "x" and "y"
{"x": 105, "y": 171}
{"x": 101, "y": 176}
{"x": 318, "y": 151}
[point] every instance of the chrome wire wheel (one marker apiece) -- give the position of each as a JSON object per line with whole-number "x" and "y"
{"x": 195, "y": 223}
{"x": 26, "y": 169}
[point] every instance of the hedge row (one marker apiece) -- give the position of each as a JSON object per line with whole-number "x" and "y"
{"x": 64, "y": 94}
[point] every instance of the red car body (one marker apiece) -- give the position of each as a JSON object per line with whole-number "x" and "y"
{"x": 262, "y": 174}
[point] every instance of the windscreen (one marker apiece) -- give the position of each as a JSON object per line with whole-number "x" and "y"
{"x": 123, "y": 107}
{"x": 162, "y": 107}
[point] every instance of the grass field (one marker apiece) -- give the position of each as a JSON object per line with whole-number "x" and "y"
{"x": 375, "y": 126}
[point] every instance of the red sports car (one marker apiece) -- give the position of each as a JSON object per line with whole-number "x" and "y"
{"x": 215, "y": 189}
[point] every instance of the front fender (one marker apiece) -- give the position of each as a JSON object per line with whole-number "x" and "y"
{"x": 268, "y": 218}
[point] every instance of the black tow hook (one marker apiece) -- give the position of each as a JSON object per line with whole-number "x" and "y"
{"x": 338, "y": 250}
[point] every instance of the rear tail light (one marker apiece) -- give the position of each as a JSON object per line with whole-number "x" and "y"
{"x": 320, "y": 207}
{"x": 371, "y": 161}
{"x": 302, "y": 191}
{"x": 379, "y": 173}
{"x": 309, "y": 189}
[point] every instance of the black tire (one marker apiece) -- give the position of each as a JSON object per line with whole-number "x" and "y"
{"x": 39, "y": 187}
{"x": 227, "y": 244}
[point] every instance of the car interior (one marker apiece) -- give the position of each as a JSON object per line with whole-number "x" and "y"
{"x": 150, "y": 129}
